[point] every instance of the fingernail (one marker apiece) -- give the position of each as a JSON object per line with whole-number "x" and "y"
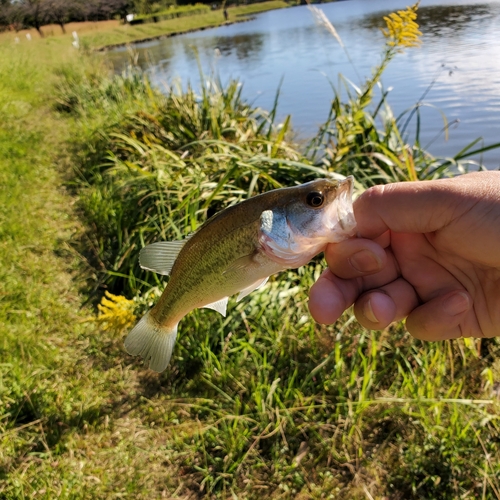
{"x": 365, "y": 261}
{"x": 368, "y": 312}
{"x": 456, "y": 304}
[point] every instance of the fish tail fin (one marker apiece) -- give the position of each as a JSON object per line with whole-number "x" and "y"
{"x": 152, "y": 341}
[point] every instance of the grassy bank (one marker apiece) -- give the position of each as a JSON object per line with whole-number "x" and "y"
{"x": 99, "y": 35}
{"x": 263, "y": 403}
{"x": 70, "y": 416}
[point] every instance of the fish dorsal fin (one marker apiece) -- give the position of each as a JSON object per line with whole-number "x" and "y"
{"x": 160, "y": 257}
{"x": 219, "y": 306}
{"x": 251, "y": 288}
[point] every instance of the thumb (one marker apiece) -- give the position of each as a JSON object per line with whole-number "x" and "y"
{"x": 407, "y": 207}
{"x": 441, "y": 318}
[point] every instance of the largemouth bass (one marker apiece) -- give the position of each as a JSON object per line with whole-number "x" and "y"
{"x": 236, "y": 251}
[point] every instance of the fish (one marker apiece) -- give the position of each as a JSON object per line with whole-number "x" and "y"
{"x": 235, "y": 252}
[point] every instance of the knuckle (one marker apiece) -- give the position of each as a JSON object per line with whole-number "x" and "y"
{"x": 376, "y": 192}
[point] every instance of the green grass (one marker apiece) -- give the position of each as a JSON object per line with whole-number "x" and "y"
{"x": 261, "y": 404}
{"x": 53, "y": 394}
{"x": 172, "y": 12}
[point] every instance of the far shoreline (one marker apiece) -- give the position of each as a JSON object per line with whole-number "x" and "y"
{"x": 213, "y": 19}
{"x": 103, "y": 36}
{"x": 106, "y": 48}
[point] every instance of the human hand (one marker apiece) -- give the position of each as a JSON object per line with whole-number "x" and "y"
{"x": 428, "y": 251}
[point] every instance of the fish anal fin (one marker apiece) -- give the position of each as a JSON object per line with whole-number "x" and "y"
{"x": 152, "y": 341}
{"x": 160, "y": 256}
{"x": 249, "y": 289}
{"x": 219, "y": 306}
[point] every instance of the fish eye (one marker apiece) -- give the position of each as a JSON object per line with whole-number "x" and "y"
{"x": 315, "y": 199}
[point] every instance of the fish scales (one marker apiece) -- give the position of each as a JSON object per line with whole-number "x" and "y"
{"x": 197, "y": 274}
{"x": 236, "y": 251}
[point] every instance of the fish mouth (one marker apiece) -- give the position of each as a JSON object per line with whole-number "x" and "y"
{"x": 345, "y": 209}
{"x": 347, "y": 185}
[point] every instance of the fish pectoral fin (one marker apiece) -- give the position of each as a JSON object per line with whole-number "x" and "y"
{"x": 241, "y": 263}
{"x": 249, "y": 289}
{"x": 219, "y": 306}
{"x": 160, "y": 257}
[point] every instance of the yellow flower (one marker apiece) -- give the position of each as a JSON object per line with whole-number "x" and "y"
{"x": 116, "y": 313}
{"x": 402, "y": 30}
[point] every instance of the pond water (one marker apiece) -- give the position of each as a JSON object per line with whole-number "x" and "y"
{"x": 459, "y": 56}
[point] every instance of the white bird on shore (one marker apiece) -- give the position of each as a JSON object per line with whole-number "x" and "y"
{"x": 76, "y": 40}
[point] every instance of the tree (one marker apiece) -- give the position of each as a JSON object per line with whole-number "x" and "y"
{"x": 10, "y": 16}
{"x": 33, "y": 13}
{"x": 5, "y": 8}
{"x": 104, "y": 9}
{"x": 62, "y": 11}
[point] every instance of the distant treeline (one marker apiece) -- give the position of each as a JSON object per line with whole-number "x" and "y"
{"x": 19, "y": 14}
